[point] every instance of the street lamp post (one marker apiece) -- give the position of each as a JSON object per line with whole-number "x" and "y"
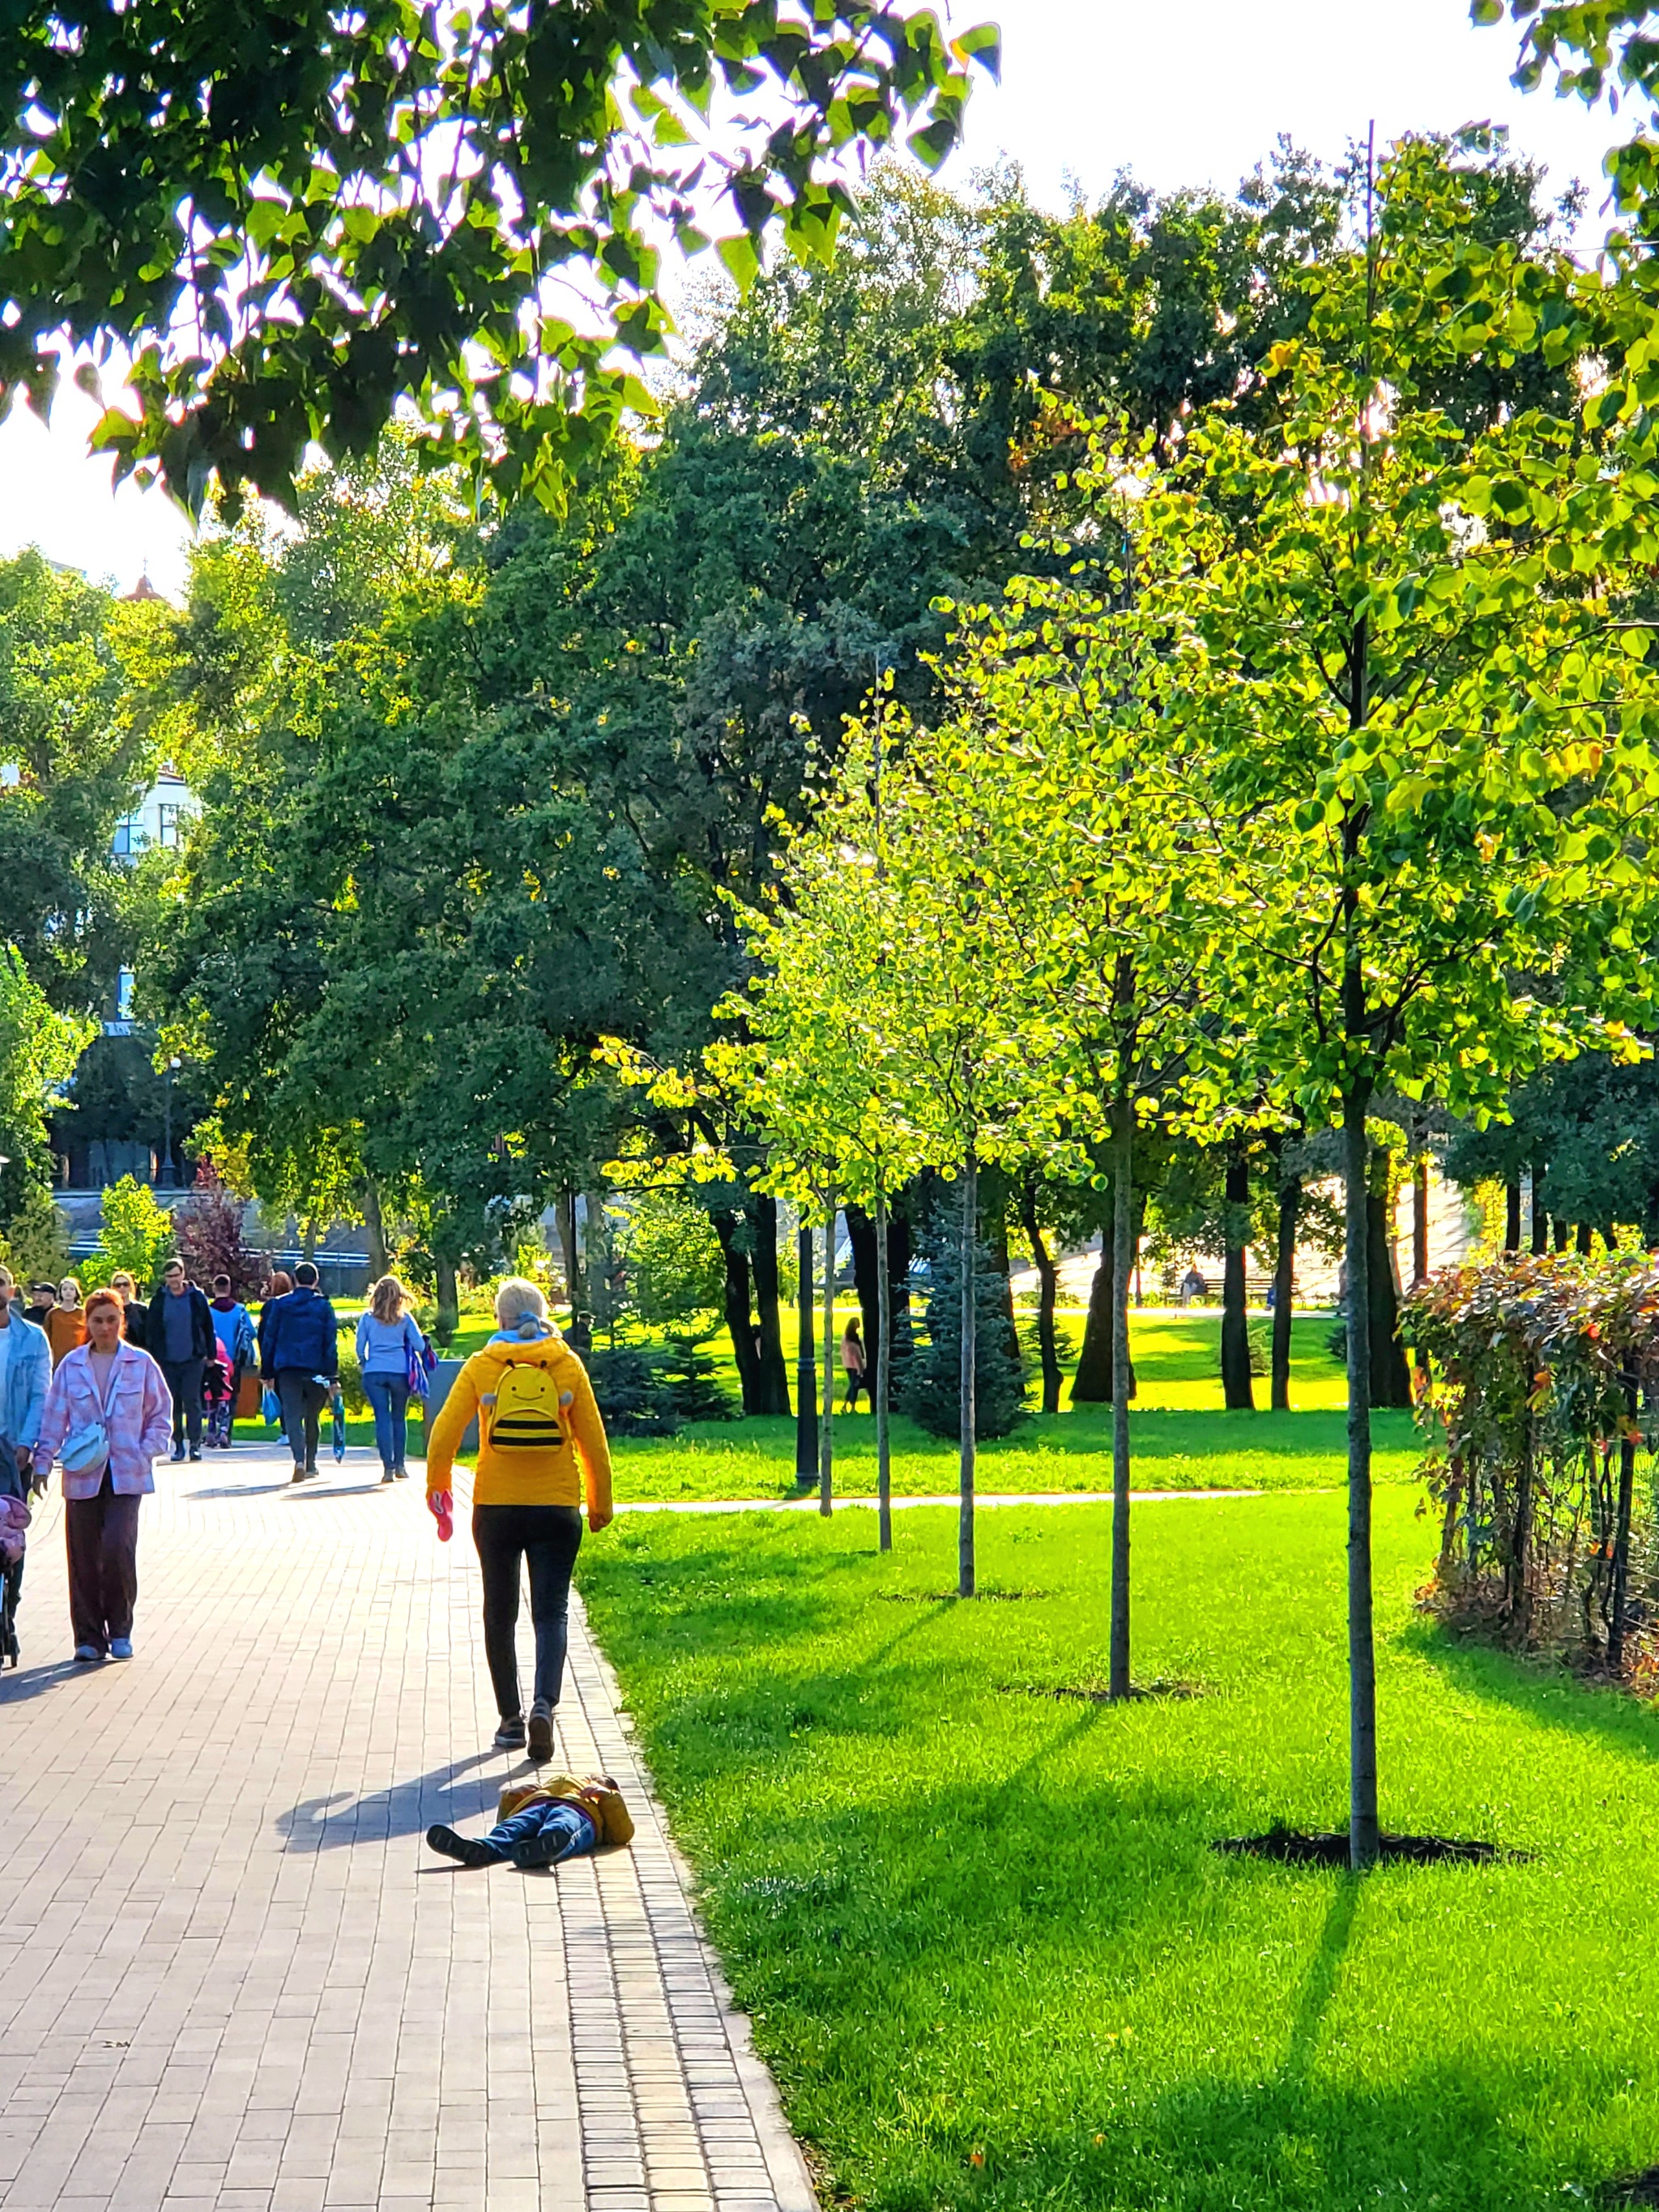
{"x": 166, "y": 1179}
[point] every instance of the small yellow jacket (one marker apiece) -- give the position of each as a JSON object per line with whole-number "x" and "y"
{"x": 518, "y": 1476}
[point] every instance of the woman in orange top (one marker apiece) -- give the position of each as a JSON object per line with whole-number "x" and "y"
{"x": 66, "y": 1321}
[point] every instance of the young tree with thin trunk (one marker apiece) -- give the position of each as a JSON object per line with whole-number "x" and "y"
{"x": 1402, "y": 642}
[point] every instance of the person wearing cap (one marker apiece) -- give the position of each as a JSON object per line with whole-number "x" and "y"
{"x": 540, "y": 1437}
{"x": 42, "y": 1298}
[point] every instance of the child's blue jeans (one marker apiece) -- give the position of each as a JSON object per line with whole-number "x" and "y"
{"x": 543, "y": 1834}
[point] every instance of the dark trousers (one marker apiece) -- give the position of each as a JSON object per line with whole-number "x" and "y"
{"x": 184, "y": 1379}
{"x": 102, "y": 1537}
{"x": 302, "y": 1399}
{"x": 547, "y": 1537}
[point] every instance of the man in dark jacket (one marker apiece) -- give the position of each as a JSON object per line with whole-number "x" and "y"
{"x": 300, "y": 1358}
{"x": 179, "y": 1336}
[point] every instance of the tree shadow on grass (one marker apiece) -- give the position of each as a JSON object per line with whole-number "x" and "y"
{"x": 1541, "y": 1688}
{"x": 408, "y": 1808}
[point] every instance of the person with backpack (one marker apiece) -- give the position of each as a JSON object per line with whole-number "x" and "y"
{"x": 300, "y": 1358}
{"x": 391, "y": 1351}
{"x": 540, "y": 1435}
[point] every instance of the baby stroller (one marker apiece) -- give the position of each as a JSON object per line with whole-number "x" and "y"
{"x": 14, "y": 1522}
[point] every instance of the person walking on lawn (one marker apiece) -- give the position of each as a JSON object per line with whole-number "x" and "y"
{"x": 537, "y": 1414}
{"x": 179, "y": 1336}
{"x": 387, "y": 1342}
{"x": 25, "y": 1376}
{"x": 300, "y": 1358}
{"x": 109, "y": 1413}
{"x": 233, "y": 1326}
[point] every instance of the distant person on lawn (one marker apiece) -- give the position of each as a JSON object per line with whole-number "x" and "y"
{"x": 233, "y": 1326}
{"x": 66, "y": 1321}
{"x": 179, "y": 1336}
{"x": 853, "y": 1361}
{"x": 113, "y": 1388}
{"x": 300, "y": 1358}
{"x": 536, "y": 1415}
{"x": 387, "y": 1339}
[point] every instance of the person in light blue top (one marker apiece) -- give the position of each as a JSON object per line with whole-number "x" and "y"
{"x": 387, "y": 1339}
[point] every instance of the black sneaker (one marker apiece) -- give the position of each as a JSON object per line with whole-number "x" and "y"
{"x": 310, "y": 1468}
{"x": 388, "y": 1476}
{"x": 177, "y": 1455}
{"x": 195, "y": 1451}
{"x": 509, "y": 1736}
{"x": 467, "y": 1849}
{"x": 540, "y": 1731}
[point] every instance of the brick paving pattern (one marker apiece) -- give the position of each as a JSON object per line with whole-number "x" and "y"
{"x": 231, "y": 1973}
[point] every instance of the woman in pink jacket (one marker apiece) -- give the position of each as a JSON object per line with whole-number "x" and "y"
{"x": 109, "y": 1384}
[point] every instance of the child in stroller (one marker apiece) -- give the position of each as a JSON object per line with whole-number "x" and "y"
{"x": 14, "y": 1522}
{"x": 218, "y": 1400}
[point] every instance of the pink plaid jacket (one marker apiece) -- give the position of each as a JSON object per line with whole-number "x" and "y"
{"x": 138, "y": 1416}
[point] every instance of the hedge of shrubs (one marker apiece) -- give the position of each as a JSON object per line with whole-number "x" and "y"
{"x": 1537, "y": 1381}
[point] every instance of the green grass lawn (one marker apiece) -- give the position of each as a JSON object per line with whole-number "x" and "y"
{"x": 979, "y": 1929}
{"x": 1182, "y": 1439}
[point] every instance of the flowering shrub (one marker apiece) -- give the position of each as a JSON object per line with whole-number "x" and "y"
{"x": 1536, "y": 1384}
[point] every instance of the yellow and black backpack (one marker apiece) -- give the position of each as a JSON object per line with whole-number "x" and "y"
{"x": 525, "y": 1410}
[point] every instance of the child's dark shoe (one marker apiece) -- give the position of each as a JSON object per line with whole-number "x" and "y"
{"x": 509, "y": 1736}
{"x": 467, "y": 1849}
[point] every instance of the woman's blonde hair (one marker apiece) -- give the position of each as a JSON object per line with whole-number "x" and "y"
{"x": 69, "y": 1282}
{"x": 516, "y": 1298}
{"x": 388, "y": 1300}
{"x": 121, "y": 1281}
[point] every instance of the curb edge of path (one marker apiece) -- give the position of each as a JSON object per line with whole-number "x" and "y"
{"x": 786, "y": 2161}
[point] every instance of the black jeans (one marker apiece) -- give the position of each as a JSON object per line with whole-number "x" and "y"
{"x": 302, "y": 1399}
{"x": 184, "y": 1379}
{"x": 548, "y": 1537}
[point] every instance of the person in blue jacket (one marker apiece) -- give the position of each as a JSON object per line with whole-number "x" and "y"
{"x": 233, "y": 1325}
{"x": 25, "y": 1374}
{"x": 300, "y": 1358}
{"x": 389, "y": 1344}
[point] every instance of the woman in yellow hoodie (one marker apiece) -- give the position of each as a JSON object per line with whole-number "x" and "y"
{"x": 536, "y": 1413}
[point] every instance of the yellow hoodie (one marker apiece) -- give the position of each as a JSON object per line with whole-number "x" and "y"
{"x": 511, "y": 1473}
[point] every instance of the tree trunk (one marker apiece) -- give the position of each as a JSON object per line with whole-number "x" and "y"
{"x": 1511, "y": 1217}
{"x": 773, "y": 1378}
{"x": 739, "y": 1319}
{"x": 1390, "y": 1374}
{"x": 969, "y": 1347}
{"x": 883, "y": 1378}
{"x": 1237, "y": 1393}
{"x": 867, "y": 1271}
{"x": 1091, "y": 1385}
{"x": 1361, "y": 1655}
{"x": 827, "y": 1410}
{"x": 1541, "y": 1220}
{"x": 1290, "y": 1213}
{"x": 806, "y": 1393}
{"x": 574, "y": 1290}
{"x": 449, "y": 1300}
{"x": 1420, "y": 1219}
{"x": 375, "y": 1228}
{"x": 1123, "y": 1168}
{"x": 1584, "y": 1238}
{"x": 1048, "y": 1291}
{"x": 1621, "y": 1535}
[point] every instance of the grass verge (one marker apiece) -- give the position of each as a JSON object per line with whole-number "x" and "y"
{"x": 983, "y": 1936}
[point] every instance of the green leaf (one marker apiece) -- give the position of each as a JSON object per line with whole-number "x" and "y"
{"x": 741, "y": 259}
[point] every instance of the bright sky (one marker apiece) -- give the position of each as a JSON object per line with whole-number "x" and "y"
{"x": 1192, "y": 92}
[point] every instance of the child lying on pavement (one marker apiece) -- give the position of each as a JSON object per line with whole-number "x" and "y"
{"x": 542, "y": 1823}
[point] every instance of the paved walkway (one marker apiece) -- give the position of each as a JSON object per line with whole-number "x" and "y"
{"x": 232, "y": 1975}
